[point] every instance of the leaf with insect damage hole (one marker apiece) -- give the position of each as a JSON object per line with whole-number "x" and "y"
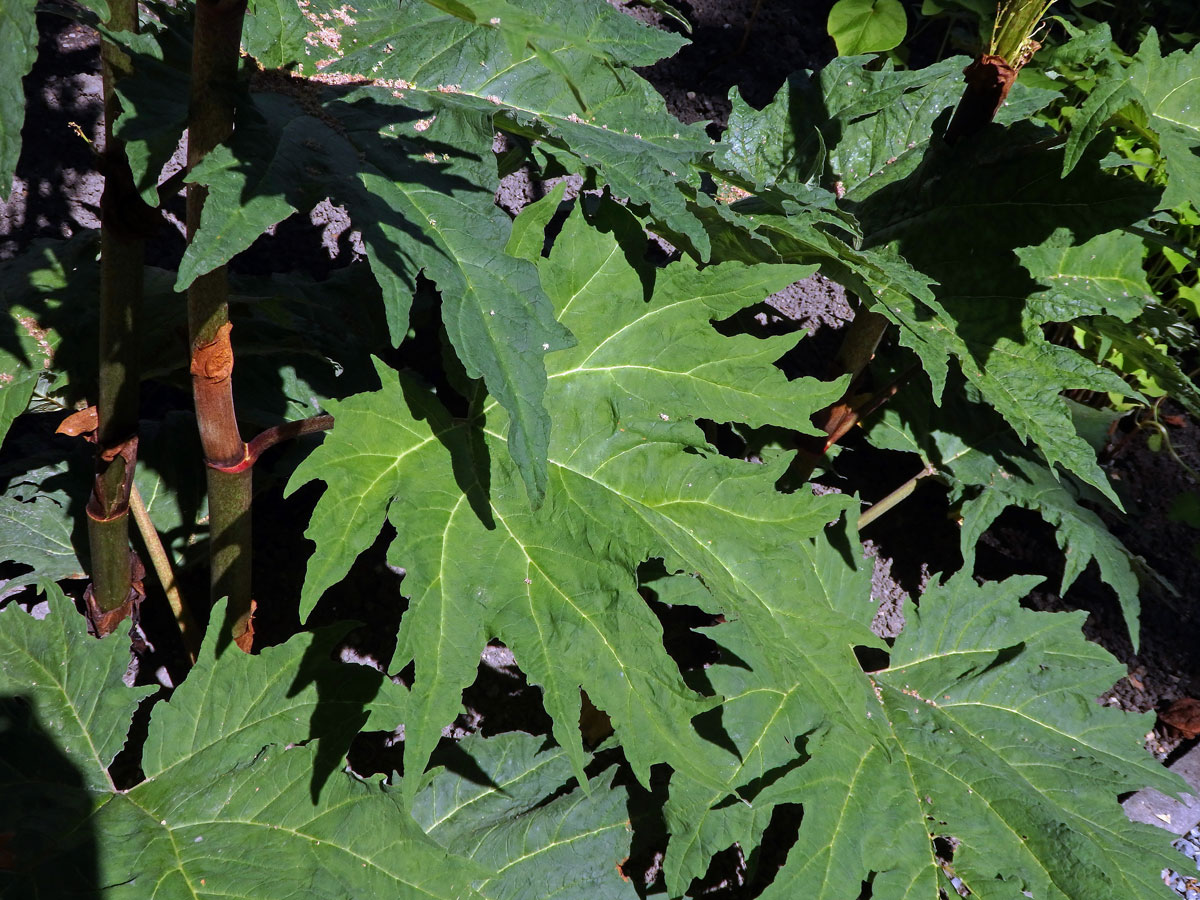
{"x": 64, "y": 713}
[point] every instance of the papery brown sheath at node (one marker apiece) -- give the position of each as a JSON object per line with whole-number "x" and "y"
{"x": 245, "y": 640}
{"x": 989, "y": 80}
{"x": 214, "y": 361}
{"x": 85, "y": 424}
{"x": 100, "y": 623}
{"x": 101, "y": 508}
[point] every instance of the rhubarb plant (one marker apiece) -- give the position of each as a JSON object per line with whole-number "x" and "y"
{"x": 528, "y": 411}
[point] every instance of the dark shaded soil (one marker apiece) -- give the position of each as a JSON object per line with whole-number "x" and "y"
{"x": 57, "y": 189}
{"x": 751, "y": 45}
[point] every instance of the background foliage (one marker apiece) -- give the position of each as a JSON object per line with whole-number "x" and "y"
{"x": 527, "y": 409}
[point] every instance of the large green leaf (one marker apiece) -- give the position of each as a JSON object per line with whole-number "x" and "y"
{"x": 19, "y": 38}
{"x": 783, "y": 682}
{"x": 281, "y": 34}
{"x": 777, "y": 695}
{"x": 247, "y": 828}
{"x": 570, "y": 85}
{"x": 238, "y": 703}
{"x": 1157, "y": 93}
{"x": 988, "y": 472}
{"x": 852, "y": 127}
{"x": 1169, "y": 85}
{"x": 869, "y": 135}
{"x": 73, "y": 685}
{"x": 416, "y": 213}
{"x": 1103, "y": 276}
{"x": 64, "y": 712}
{"x": 983, "y": 316}
{"x": 993, "y": 744}
{"x": 631, "y": 477}
{"x": 226, "y": 808}
{"x": 513, "y": 812}
{"x": 37, "y": 521}
{"x": 595, "y": 27}
{"x": 982, "y": 731}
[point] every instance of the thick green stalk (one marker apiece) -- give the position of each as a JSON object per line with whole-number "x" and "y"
{"x": 215, "y": 53}
{"x": 125, "y": 221}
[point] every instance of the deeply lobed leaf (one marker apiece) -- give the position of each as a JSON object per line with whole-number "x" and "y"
{"x": 515, "y": 811}
{"x": 1156, "y": 94}
{"x": 988, "y": 472}
{"x": 631, "y": 477}
{"x": 956, "y": 217}
{"x": 226, "y": 810}
{"x": 994, "y": 745}
{"x": 986, "y": 320}
{"x": 433, "y": 215}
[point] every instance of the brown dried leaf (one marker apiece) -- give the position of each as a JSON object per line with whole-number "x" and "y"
{"x": 1184, "y": 716}
{"x": 83, "y": 422}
